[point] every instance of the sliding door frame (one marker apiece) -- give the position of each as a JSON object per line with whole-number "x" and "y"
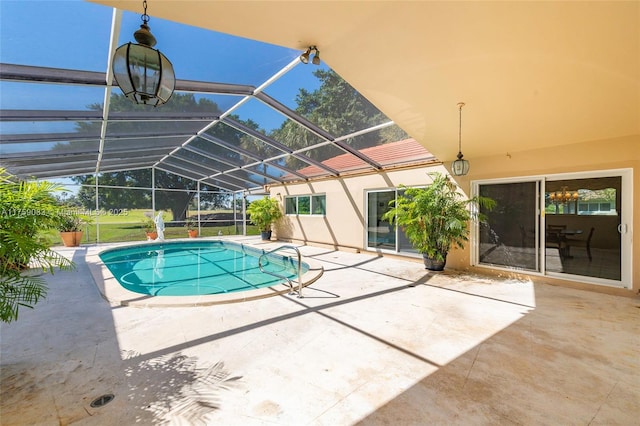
{"x": 625, "y": 229}
{"x": 475, "y": 227}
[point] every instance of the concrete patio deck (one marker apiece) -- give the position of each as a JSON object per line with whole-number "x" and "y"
{"x": 375, "y": 341}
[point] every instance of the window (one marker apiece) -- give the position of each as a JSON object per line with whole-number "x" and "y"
{"x": 319, "y": 204}
{"x": 582, "y": 201}
{"x": 291, "y": 205}
{"x": 596, "y": 207}
{"x": 306, "y": 205}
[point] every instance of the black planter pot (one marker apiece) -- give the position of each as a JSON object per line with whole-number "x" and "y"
{"x": 433, "y": 264}
{"x": 265, "y": 235}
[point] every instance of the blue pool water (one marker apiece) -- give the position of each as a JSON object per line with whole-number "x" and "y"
{"x": 195, "y": 268}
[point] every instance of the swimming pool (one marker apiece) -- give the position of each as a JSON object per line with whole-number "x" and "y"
{"x": 195, "y": 268}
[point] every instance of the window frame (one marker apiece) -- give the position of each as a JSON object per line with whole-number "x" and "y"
{"x": 312, "y": 200}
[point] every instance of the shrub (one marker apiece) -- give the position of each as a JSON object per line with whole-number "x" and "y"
{"x": 264, "y": 212}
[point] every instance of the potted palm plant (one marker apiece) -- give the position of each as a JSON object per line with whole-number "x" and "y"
{"x": 435, "y": 218}
{"x": 263, "y": 213}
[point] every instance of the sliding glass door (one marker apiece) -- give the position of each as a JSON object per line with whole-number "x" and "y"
{"x": 573, "y": 226}
{"x": 509, "y": 236}
{"x": 380, "y": 234}
{"x": 583, "y": 223}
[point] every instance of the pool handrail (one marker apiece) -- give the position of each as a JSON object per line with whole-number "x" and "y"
{"x": 282, "y": 276}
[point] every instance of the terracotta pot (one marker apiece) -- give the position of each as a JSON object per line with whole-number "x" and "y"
{"x": 71, "y": 238}
{"x": 152, "y": 235}
{"x": 193, "y": 233}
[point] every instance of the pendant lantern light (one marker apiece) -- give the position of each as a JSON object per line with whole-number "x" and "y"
{"x": 144, "y": 75}
{"x": 460, "y": 167}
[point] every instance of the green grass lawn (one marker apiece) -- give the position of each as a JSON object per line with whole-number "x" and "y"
{"x": 137, "y": 216}
{"x": 129, "y": 227}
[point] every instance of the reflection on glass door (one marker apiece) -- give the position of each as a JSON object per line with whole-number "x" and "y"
{"x": 509, "y": 236}
{"x": 380, "y": 234}
{"x": 583, "y": 217}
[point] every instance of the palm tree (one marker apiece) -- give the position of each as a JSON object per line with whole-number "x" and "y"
{"x": 27, "y": 208}
{"x": 435, "y": 218}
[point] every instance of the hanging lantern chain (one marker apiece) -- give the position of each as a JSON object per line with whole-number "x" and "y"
{"x": 145, "y": 17}
{"x": 460, "y": 105}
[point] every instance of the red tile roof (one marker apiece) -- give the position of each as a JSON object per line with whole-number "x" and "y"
{"x": 406, "y": 151}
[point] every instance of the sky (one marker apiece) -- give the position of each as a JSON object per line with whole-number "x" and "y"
{"x": 74, "y": 34}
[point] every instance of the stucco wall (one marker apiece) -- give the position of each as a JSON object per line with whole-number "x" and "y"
{"x": 344, "y": 224}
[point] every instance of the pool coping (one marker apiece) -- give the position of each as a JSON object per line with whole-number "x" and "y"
{"x": 115, "y": 294}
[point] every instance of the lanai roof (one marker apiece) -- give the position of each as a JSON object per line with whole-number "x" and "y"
{"x": 59, "y": 117}
{"x": 404, "y": 152}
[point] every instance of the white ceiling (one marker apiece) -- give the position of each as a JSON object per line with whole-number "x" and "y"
{"x": 532, "y": 74}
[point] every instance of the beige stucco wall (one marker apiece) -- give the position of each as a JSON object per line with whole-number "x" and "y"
{"x": 344, "y": 224}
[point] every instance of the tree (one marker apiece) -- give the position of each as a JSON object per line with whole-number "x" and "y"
{"x": 27, "y": 208}
{"x": 339, "y": 109}
{"x": 176, "y": 201}
{"x": 133, "y": 198}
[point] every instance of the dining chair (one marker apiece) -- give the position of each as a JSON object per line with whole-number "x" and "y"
{"x": 554, "y": 239}
{"x": 586, "y": 243}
